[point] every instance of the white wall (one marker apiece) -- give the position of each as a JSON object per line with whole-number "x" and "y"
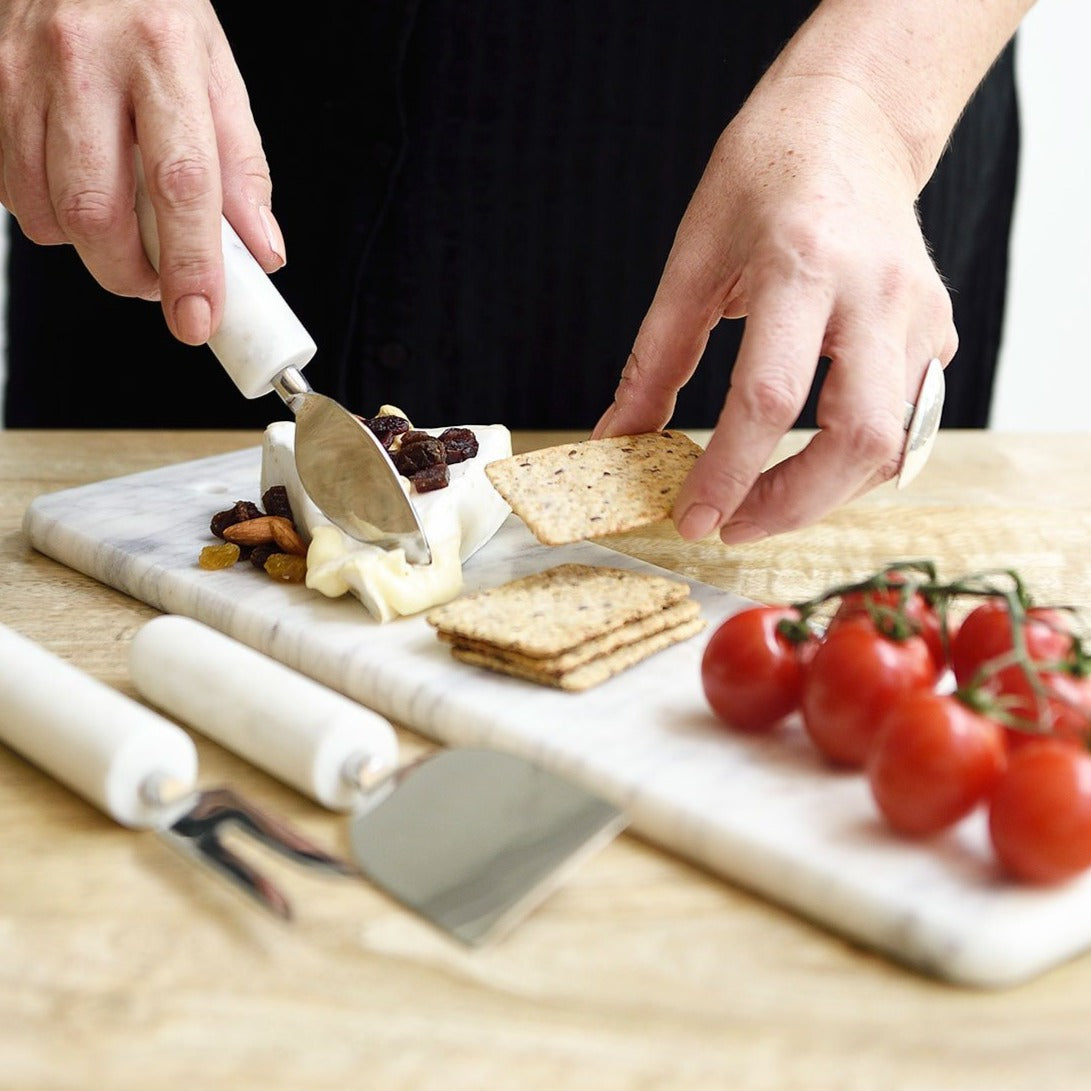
{"x": 1044, "y": 381}
{"x": 1044, "y": 378}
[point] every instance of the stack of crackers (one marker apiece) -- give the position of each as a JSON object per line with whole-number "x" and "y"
{"x": 572, "y": 626}
{"x": 595, "y": 487}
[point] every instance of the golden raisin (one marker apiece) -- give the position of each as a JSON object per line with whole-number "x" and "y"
{"x": 219, "y": 556}
{"x": 287, "y": 567}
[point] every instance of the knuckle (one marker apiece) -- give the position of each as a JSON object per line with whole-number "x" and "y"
{"x": 87, "y": 214}
{"x": 771, "y": 399}
{"x": 725, "y": 480}
{"x": 184, "y": 181}
{"x": 65, "y": 31}
{"x": 874, "y": 441}
{"x": 642, "y": 385}
{"x": 256, "y": 169}
{"x": 950, "y": 346}
{"x": 163, "y": 29}
{"x": 806, "y": 250}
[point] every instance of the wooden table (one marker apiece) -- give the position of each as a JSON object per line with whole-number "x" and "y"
{"x": 119, "y": 969}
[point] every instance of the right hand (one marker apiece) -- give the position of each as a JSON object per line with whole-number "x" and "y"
{"x": 82, "y": 83}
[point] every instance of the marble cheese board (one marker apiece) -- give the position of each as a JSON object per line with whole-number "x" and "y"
{"x": 764, "y": 813}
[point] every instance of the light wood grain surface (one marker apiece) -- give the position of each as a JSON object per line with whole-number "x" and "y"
{"x": 121, "y": 967}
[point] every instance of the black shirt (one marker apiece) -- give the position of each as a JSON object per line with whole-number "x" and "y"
{"x": 478, "y": 199}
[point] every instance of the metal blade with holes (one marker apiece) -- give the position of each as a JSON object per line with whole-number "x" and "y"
{"x": 470, "y": 839}
{"x": 136, "y": 766}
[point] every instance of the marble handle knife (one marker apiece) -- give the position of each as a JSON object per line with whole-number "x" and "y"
{"x": 138, "y": 768}
{"x": 263, "y": 346}
{"x": 299, "y": 731}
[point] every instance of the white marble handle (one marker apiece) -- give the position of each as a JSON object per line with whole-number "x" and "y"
{"x": 106, "y": 747}
{"x": 260, "y": 334}
{"x": 294, "y": 728}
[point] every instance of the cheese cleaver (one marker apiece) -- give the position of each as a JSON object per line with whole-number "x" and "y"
{"x": 471, "y": 839}
{"x": 263, "y": 346}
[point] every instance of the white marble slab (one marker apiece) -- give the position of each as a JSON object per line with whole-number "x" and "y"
{"x": 765, "y": 814}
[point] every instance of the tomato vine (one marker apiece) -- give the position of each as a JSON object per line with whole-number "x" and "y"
{"x": 948, "y": 695}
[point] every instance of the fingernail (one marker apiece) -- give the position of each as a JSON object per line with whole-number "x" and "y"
{"x": 193, "y": 319}
{"x": 604, "y": 421}
{"x": 740, "y": 533}
{"x": 698, "y": 521}
{"x": 272, "y": 232}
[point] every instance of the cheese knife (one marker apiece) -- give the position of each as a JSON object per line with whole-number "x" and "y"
{"x": 263, "y": 347}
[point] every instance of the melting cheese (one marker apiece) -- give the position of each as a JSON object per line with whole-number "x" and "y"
{"x": 457, "y": 521}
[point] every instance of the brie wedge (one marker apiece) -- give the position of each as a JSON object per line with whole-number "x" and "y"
{"x": 457, "y": 521}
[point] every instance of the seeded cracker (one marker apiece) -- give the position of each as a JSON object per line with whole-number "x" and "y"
{"x": 595, "y": 487}
{"x": 593, "y": 672}
{"x": 550, "y": 612}
{"x": 685, "y": 610}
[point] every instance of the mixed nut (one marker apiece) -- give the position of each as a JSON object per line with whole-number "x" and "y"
{"x": 268, "y": 539}
{"x": 267, "y": 536}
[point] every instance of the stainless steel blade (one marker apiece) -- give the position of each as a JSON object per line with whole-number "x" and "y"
{"x": 348, "y": 473}
{"x": 262, "y": 345}
{"x": 474, "y": 839}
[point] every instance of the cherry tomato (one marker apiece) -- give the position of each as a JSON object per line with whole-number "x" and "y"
{"x": 1040, "y": 812}
{"x": 986, "y": 633}
{"x": 1062, "y": 711}
{"x": 856, "y": 676}
{"x": 918, "y": 611}
{"x": 752, "y": 673}
{"x": 934, "y": 759}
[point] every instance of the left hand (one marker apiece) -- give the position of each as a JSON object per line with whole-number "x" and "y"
{"x": 805, "y": 224}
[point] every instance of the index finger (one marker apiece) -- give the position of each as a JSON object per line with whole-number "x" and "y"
{"x": 772, "y": 376}
{"x": 181, "y": 171}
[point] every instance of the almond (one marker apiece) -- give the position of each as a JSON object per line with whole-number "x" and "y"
{"x": 267, "y": 528}
{"x": 252, "y": 531}
{"x": 287, "y": 537}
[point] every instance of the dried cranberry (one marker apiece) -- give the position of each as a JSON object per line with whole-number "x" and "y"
{"x": 386, "y": 427}
{"x": 419, "y": 456}
{"x": 415, "y": 435}
{"x": 432, "y": 478}
{"x": 459, "y": 443}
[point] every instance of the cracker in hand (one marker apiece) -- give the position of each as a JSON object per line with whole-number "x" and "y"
{"x": 595, "y": 487}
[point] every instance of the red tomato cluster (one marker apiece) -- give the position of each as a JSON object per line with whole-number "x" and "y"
{"x": 942, "y": 717}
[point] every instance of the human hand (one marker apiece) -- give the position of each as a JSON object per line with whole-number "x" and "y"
{"x": 805, "y": 223}
{"x": 84, "y": 82}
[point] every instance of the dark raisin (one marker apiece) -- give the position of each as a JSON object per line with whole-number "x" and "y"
{"x": 415, "y": 435}
{"x": 221, "y": 521}
{"x": 419, "y": 456}
{"x": 242, "y": 510}
{"x": 259, "y": 554}
{"x": 386, "y": 427}
{"x": 459, "y": 443}
{"x": 275, "y": 501}
{"x": 431, "y": 478}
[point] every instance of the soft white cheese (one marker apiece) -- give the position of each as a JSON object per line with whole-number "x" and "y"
{"x": 457, "y": 521}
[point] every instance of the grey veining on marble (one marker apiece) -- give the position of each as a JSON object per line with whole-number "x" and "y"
{"x": 764, "y": 813}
